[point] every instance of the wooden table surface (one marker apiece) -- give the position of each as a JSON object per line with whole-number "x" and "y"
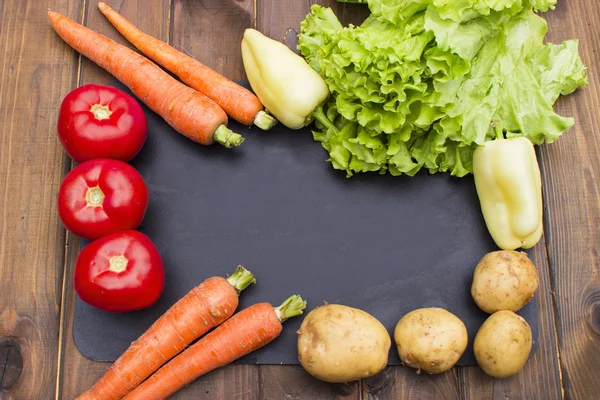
{"x": 38, "y": 359}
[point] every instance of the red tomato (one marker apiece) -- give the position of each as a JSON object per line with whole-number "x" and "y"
{"x": 120, "y": 272}
{"x": 98, "y": 121}
{"x": 102, "y": 196}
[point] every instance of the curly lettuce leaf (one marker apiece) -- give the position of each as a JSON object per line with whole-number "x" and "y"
{"x": 418, "y": 84}
{"x": 399, "y": 11}
{"x": 558, "y": 69}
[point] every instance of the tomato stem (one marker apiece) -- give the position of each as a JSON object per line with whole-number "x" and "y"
{"x": 94, "y": 196}
{"x": 100, "y": 112}
{"x": 118, "y": 264}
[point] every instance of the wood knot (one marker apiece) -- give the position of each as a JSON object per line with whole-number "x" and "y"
{"x": 379, "y": 382}
{"x": 349, "y": 389}
{"x": 595, "y": 318}
{"x": 592, "y": 310}
{"x": 11, "y": 363}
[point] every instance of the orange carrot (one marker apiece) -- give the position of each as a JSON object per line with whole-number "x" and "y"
{"x": 243, "y": 333}
{"x": 188, "y": 111}
{"x": 203, "y": 308}
{"x": 237, "y": 101}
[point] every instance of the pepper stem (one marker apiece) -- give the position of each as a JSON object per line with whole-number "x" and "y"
{"x": 241, "y": 278}
{"x": 498, "y": 131}
{"x": 292, "y": 307}
{"x": 227, "y": 137}
{"x": 320, "y": 116}
{"x": 264, "y": 121}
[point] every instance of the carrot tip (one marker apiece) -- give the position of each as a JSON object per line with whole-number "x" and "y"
{"x": 227, "y": 137}
{"x": 292, "y": 307}
{"x": 264, "y": 121}
{"x": 241, "y": 278}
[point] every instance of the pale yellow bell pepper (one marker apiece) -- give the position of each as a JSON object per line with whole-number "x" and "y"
{"x": 508, "y": 181}
{"x": 283, "y": 81}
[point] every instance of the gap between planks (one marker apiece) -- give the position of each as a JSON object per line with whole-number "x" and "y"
{"x": 552, "y": 289}
{"x": 63, "y": 292}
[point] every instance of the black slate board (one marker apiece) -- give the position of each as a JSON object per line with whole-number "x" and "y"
{"x": 383, "y": 244}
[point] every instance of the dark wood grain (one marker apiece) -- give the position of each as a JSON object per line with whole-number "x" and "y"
{"x": 400, "y": 383}
{"x": 211, "y": 31}
{"x": 292, "y": 382}
{"x": 35, "y": 71}
{"x": 152, "y": 16}
{"x": 572, "y": 195}
{"x": 78, "y": 373}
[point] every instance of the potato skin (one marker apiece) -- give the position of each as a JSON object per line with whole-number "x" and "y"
{"x": 502, "y": 344}
{"x": 504, "y": 280}
{"x": 337, "y": 343}
{"x": 430, "y": 339}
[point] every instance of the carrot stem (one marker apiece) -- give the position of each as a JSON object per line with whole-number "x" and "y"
{"x": 292, "y": 307}
{"x": 227, "y": 137}
{"x": 241, "y": 278}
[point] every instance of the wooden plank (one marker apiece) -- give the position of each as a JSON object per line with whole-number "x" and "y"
{"x": 403, "y": 383}
{"x": 36, "y": 70}
{"x": 78, "y": 373}
{"x": 211, "y": 31}
{"x": 540, "y": 378}
{"x": 572, "y": 196}
{"x": 292, "y": 382}
{"x": 153, "y": 17}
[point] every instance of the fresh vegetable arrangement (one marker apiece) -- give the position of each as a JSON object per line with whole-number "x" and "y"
{"x": 238, "y": 102}
{"x": 105, "y": 199}
{"x": 418, "y": 84}
{"x": 203, "y": 308}
{"x": 337, "y": 343}
{"x": 188, "y": 111}
{"x": 248, "y": 330}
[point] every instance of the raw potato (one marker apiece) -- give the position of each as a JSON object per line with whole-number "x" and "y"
{"x": 338, "y": 343}
{"x": 502, "y": 344}
{"x": 504, "y": 280}
{"x": 430, "y": 339}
